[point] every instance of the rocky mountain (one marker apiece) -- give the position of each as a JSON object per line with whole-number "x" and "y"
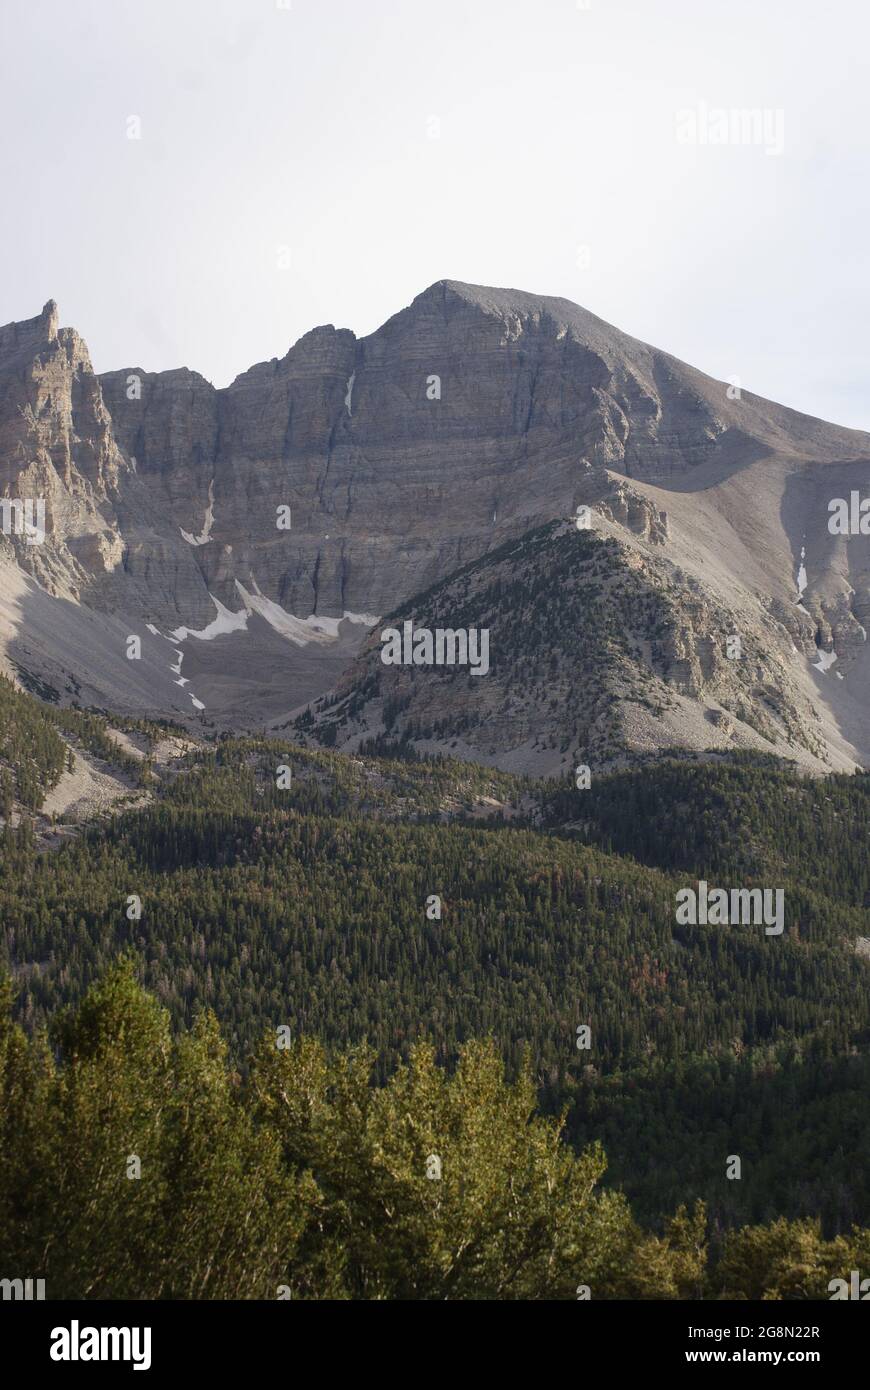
{"x": 602, "y": 648}
{"x": 251, "y": 539}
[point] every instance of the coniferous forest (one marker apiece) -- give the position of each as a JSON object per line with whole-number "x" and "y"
{"x": 300, "y": 1024}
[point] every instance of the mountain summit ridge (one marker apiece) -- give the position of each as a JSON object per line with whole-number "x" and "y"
{"x": 470, "y": 417}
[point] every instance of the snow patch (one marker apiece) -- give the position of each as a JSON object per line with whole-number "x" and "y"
{"x": 363, "y": 619}
{"x": 226, "y": 621}
{"x": 317, "y": 628}
{"x": 179, "y": 636}
{"x": 301, "y": 631}
{"x": 349, "y": 394}
{"x": 802, "y": 575}
{"x": 825, "y": 661}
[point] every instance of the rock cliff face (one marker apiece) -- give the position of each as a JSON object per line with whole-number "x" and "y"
{"x": 256, "y": 533}
{"x": 601, "y": 648}
{"x": 57, "y": 445}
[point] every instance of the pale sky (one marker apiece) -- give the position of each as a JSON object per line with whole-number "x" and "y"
{"x": 380, "y": 145}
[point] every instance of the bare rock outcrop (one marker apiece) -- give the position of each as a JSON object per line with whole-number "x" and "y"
{"x": 258, "y": 532}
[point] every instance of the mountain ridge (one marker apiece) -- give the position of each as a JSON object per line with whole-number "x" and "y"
{"x": 469, "y": 418}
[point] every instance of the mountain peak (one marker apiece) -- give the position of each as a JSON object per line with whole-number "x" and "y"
{"x": 27, "y": 336}
{"x": 516, "y": 308}
{"x": 49, "y": 317}
{"x": 473, "y": 416}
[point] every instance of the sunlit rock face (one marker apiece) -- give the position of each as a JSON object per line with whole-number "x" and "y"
{"x": 274, "y": 521}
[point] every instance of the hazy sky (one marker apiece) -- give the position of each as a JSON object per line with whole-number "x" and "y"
{"x": 379, "y": 145}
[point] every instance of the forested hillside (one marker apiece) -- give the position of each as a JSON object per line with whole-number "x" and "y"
{"x": 398, "y": 901}
{"x": 32, "y": 753}
{"x": 137, "y": 1164}
{"x": 738, "y": 818}
{"x": 38, "y": 742}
